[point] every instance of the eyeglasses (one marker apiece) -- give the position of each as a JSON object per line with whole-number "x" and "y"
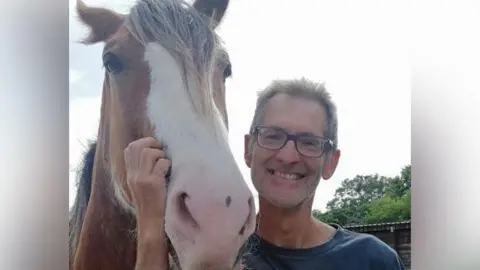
{"x": 274, "y": 138}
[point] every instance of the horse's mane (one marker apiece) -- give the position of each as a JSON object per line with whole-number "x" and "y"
{"x": 84, "y": 188}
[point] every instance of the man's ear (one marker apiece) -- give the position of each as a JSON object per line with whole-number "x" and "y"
{"x": 247, "y": 154}
{"x": 331, "y": 165}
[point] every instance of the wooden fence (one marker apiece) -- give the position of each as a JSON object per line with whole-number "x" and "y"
{"x": 396, "y": 234}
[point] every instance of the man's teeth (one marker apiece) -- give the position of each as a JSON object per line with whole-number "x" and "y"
{"x": 288, "y": 176}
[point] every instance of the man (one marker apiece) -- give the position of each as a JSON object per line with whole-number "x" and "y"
{"x": 291, "y": 145}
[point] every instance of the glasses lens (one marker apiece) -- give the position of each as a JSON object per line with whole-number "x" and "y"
{"x": 310, "y": 145}
{"x": 271, "y": 138}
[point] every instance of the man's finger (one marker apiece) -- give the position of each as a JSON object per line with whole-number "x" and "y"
{"x": 132, "y": 152}
{"x": 148, "y": 158}
{"x": 147, "y": 142}
{"x": 161, "y": 167}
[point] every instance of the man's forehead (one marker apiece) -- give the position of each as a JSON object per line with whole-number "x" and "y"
{"x": 287, "y": 104}
{"x": 282, "y": 98}
{"x": 294, "y": 114}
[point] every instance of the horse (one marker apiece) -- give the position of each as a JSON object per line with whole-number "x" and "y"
{"x": 165, "y": 71}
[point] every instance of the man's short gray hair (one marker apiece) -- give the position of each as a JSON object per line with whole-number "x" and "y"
{"x": 301, "y": 88}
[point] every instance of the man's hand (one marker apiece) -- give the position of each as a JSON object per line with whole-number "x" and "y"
{"x": 146, "y": 169}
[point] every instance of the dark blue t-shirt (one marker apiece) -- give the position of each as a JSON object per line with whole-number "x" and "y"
{"x": 346, "y": 250}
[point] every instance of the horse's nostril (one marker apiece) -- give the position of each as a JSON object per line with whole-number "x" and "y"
{"x": 184, "y": 212}
{"x": 250, "y": 218}
{"x": 242, "y": 230}
{"x": 228, "y": 201}
{"x": 183, "y": 196}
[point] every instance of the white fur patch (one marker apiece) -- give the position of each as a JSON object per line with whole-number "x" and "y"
{"x": 171, "y": 112}
{"x": 189, "y": 138}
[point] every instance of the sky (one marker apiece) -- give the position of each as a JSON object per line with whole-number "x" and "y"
{"x": 358, "y": 49}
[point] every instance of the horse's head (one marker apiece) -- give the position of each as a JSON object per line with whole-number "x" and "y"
{"x": 164, "y": 76}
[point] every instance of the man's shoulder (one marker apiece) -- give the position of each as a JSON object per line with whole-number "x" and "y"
{"x": 345, "y": 250}
{"x": 364, "y": 240}
{"x": 371, "y": 247}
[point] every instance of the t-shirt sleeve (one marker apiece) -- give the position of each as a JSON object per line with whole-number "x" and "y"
{"x": 394, "y": 263}
{"x": 388, "y": 259}
{"x": 383, "y": 257}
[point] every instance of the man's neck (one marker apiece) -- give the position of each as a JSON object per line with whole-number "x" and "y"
{"x": 292, "y": 228}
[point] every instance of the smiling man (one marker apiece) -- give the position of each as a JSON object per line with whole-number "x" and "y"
{"x": 292, "y": 144}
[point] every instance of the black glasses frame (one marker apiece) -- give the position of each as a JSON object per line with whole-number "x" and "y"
{"x": 328, "y": 144}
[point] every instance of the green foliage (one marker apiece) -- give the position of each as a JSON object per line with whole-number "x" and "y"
{"x": 369, "y": 199}
{"x": 401, "y": 184}
{"x": 388, "y": 209}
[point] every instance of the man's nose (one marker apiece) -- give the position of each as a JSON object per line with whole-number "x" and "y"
{"x": 288, "y": 154}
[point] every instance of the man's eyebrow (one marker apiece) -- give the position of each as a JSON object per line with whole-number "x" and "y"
{"x": 307, "y": 134}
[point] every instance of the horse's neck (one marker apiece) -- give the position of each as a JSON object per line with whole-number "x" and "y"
{"x": 108, "y": 235}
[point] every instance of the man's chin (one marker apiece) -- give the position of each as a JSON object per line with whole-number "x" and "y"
{"x": 284, "y": 203}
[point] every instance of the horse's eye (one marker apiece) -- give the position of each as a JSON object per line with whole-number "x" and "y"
{"x": 112, "y": 64}
{"x": 227, "y": 72}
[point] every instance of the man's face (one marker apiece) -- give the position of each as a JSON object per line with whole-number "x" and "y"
{"x": 285, "y": 177}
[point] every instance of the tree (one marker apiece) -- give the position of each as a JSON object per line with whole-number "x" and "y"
{"x": 351, "y": 199}
{"x": 370, "y": 199}
{"x": 399, "y": 185}
{"x": 388, "y": 209}
{"x": 337, "y": 216}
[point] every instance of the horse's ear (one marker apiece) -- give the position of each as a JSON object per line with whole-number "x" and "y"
{"x": 213, "y": 9}
{"x": 103, "y": 23}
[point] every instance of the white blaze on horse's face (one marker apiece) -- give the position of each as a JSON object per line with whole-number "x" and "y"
{"x": 210, "y": 211}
